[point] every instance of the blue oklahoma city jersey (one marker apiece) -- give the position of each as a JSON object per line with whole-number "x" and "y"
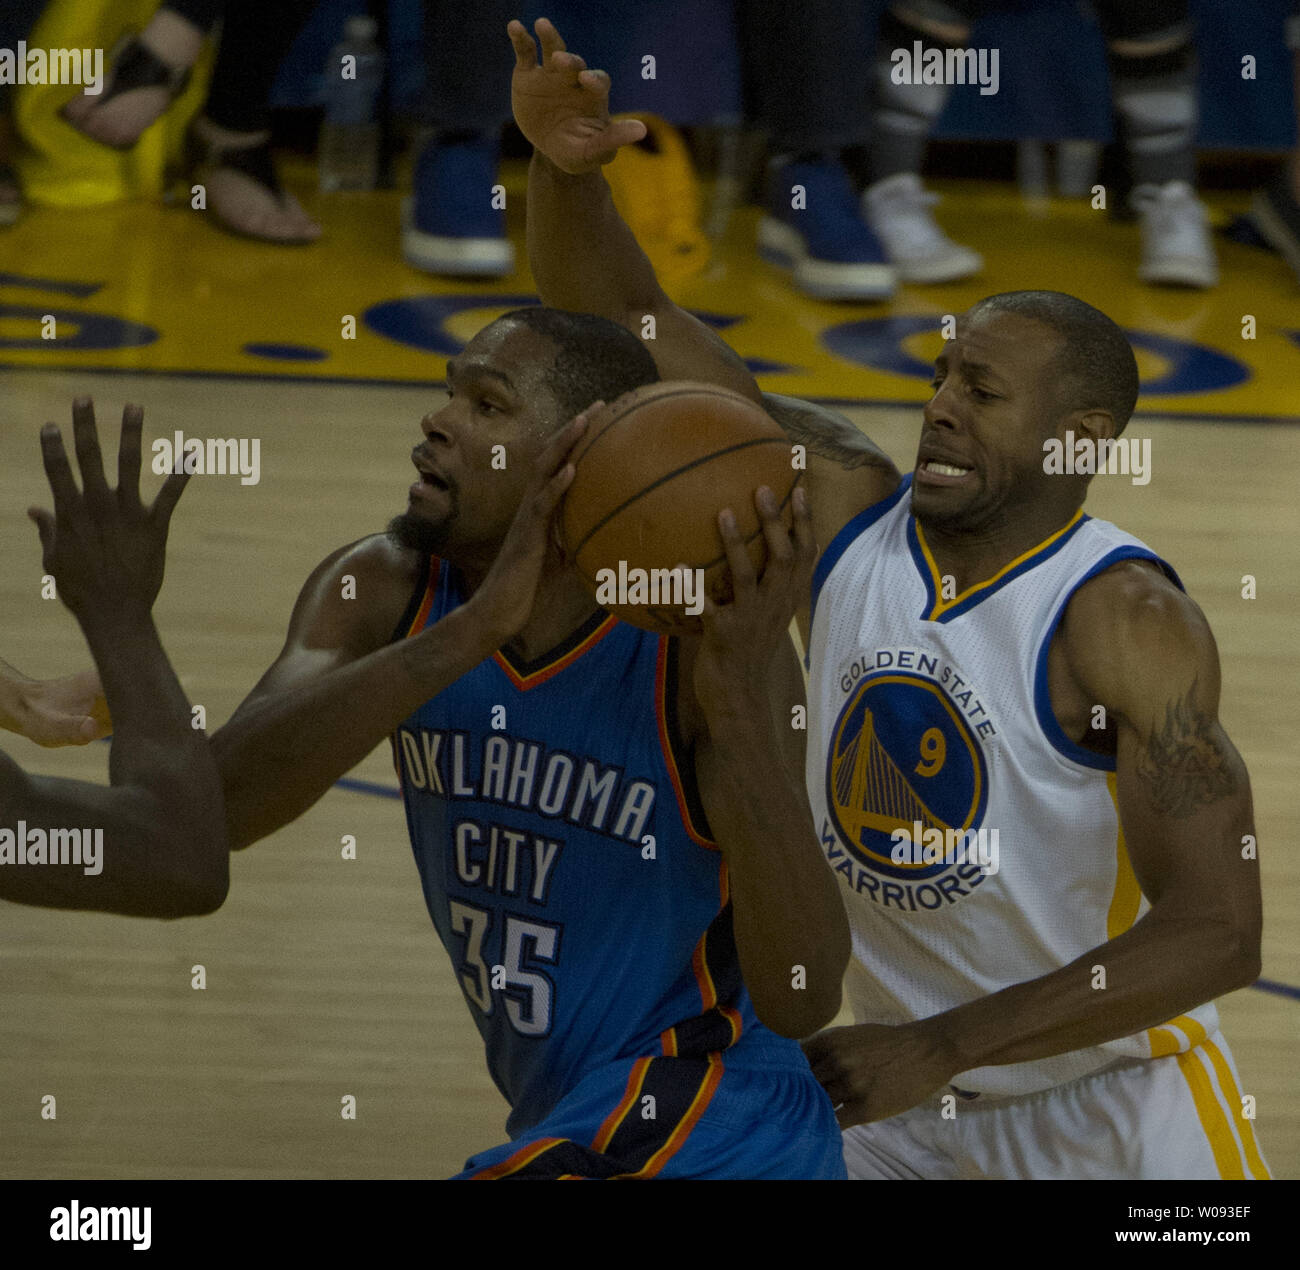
{"x": 566, "y": 864}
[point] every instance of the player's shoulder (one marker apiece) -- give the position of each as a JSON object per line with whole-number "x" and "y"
{"x": 1132, "y": 619}
{"x": 378, "y": 559}
{"x": 369, "y": 583}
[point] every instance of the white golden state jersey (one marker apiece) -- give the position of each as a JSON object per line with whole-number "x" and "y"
{"x": 930, "y": 715}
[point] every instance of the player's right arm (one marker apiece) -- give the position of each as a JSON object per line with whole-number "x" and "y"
{"x": 585, "y": 259}
{"x": 339, "y": 687}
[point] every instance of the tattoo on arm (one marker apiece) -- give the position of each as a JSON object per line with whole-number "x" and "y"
{"x": 1185, "y": 764}
{"x": 824, "y": 432}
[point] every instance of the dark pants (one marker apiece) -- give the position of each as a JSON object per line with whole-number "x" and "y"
{"x": 17, "y": 18}
{"x": 806, "y": 71}
{"x": 469, "y": 61}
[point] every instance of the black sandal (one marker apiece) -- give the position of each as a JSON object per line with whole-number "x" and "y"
{"x": 132, "y": 65}
{"x": 252, "y": 161}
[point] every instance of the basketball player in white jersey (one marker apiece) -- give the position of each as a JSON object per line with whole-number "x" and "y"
{"x": 984, "y": 658}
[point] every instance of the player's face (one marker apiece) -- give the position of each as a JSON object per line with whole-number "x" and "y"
{"x": 477, "y": 455}
{"x": 980, "y": 456}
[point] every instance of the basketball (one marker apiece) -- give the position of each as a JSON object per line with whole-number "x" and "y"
{"x": 653, "y": 472}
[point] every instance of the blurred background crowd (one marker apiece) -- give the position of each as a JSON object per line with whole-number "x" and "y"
{"x": 805, "y": 110}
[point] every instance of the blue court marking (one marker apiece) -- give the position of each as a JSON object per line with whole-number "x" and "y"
{"x": 865, "y": 403}
{"x": 889, "y": 403}
{"x": 367, "y": 787}
{"x": 286, "y": 352}
{"x": 354, "y": 786}
{"x": 267, "y": 377}
{"x": 388, "y": 791}
{"x": 1280, "y": 989}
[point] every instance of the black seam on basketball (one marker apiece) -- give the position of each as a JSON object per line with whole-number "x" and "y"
{"x": 690, "y": 390}
{"x": 672, "y": 613}
{"x": 668, "y": 476}
{"x": 722, "y": 558}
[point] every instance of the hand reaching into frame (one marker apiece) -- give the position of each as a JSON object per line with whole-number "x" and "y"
{"x": 104, "y": 547}
{"x": 561, "y": 106}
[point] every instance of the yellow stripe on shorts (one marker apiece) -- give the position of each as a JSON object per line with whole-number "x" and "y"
{"x": 1245, "y": 1128}
{"x": 1214, "y": 1120}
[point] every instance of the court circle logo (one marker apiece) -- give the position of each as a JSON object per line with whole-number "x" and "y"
{"x": 901, "y": 753}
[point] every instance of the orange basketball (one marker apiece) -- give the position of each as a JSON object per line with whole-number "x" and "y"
{"x": 652, "y": 473}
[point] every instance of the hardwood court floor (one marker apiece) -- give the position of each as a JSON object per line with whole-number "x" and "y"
{"x": 324, "y": 976}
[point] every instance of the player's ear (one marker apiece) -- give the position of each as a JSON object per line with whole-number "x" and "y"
{"x": 1094, "y": 423}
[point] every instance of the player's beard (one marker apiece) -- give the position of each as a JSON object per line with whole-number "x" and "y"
{"x": 422, "y": 534}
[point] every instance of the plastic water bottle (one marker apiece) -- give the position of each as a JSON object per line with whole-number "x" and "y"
{"x": 1077, "y": 163}
{"x": 1032, "y": 169}
{"x": 348, "y": 154}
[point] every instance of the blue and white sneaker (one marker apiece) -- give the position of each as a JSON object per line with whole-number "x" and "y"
{"x": 1176, "y": 247}
{"x": 898, "y": 211}
{"x": 449, "y": 225}
{"x": 814, "y": 227}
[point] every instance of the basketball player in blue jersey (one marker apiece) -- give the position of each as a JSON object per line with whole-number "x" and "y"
{"x": 611, "y": 836}
{"x": 983, "y": 657}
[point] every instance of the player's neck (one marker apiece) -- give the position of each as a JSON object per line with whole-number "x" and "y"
{"x": 972, "y": 556}
{"x": 562, "y": 605}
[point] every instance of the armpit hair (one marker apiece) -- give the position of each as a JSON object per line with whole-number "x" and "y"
{"x": 825, "y": 432}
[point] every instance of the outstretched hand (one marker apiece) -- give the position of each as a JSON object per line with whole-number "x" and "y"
{"x": 54, "y": 712}
{"x": 104, "y": 547}
{"x": 561, "y": 106}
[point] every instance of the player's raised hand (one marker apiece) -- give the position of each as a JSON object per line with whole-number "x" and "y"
{"x": 741, "y": 638}
{"x": 505, "y": 600}
{"x": 561, "y": 106}
{"x": 871, "y": 1071}
{"x": 105, "y": 548}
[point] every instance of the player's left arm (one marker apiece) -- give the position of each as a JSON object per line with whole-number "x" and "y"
{"x": 791, "y": 932}
{"x": 1139, "y": 647}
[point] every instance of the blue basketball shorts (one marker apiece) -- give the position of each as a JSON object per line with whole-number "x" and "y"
{"x": 707, "y": 1117}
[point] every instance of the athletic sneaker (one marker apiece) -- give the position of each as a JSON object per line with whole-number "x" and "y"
{"x": 449, "y": 225}
{"x": 1275, "y": 213}
{"x": 654, "y": 188}
{"x": 1176, "y": 246}
{"x": 822, "y": 237}
{"x": 898, "y": 210}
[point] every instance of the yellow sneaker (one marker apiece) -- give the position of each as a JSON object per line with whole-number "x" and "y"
{"x": 657, "y": 194}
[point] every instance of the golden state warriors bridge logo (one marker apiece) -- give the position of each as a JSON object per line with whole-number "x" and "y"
{"x": 906, "y": 765}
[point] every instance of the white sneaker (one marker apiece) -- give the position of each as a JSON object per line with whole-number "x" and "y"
{"x": 898, "y": 210}
{"x": 1176, "y": 246}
